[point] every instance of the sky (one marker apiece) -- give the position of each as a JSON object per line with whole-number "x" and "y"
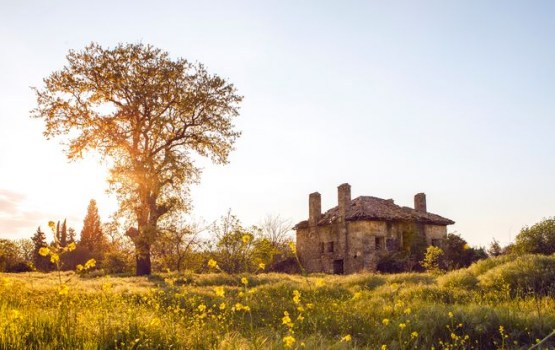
{"x": 451, "y": 98}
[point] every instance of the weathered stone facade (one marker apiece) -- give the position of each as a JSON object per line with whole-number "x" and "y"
{"x": 354, "y": 235}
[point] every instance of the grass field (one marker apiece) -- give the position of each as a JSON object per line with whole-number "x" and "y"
{"x": 501, "y": 303}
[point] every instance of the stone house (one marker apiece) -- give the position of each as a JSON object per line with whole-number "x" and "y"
{"x": 352, "y": 236}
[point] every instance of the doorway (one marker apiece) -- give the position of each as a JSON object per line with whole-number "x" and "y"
{"x": 338, "y": 267}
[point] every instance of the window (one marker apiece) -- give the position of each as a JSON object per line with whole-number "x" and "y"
{"x": 391, "y": 244}
{"x": 326, "y": 247}
{"x": 436, "y": 242}
{"x": 380, "y": 243}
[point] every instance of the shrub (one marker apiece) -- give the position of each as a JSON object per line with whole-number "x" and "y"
{"x": 482, "y": 266}
{"x": 529, "y": 274}
{"x": 463, "y": 279}
{"x": 116, "y": 262}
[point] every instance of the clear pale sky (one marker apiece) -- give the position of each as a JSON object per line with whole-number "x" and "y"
{"x": 452, "y": 98}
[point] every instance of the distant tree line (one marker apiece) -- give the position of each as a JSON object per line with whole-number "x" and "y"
{"x": 187, "y": 246}
{"x": 180, "y": 246}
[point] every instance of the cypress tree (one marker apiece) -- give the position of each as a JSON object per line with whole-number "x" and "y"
{"x": 92, "y": 237}
{"x": 63, "y": 234}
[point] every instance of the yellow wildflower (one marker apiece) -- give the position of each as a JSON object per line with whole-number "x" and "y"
{"x": 14, "y": 314}
{"x": 71, "y": 247}
{"x": 90, "y": 264}
{"x": 407, "y": 311}
{"x": 44, "y": 251}
{"x": 246, "y": 238}
{"x": 201, "y": 307}
{"x": 292, "y": 247}
{"x": 212, "y": 263}
{"x": 296, "y": 296}
{"x": 155, "y": 322}
{"x": 244, "y": 280}
{"x": 64, "y": 290}
{"x": 402, "y": 326}
{"x": 79, "y": 267}
{"x": 414, "y": 334}
{"x": 286, "y": 320}
{"x": 357, "y": 295}
{"x": 346, "y": 338}
{"x": 288, "y": 341}
{"x": 320, "y": 282}
{"x": 51, "y": 224}
{"x": 384, "y": 347}
{"x": 54, "y": 258}
{"x": 385, "y": 321}
{"x": 450, "y": 314}
{"x": 222, "y": 306}
{"x": 219, "y": 291}
{"x": 261, "y": 266}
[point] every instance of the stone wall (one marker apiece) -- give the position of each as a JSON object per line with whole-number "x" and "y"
{"x": 356, "y": 245}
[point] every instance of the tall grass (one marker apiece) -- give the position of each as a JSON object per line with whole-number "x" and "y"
{"x": 482, "y": 307}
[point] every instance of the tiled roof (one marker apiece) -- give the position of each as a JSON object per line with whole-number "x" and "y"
{"x": 373, "y": 208}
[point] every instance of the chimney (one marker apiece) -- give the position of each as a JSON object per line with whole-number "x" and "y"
{"x": 420, "y": 202}
{"x": 314, "y": 208}
{"x": 343, "y": 199}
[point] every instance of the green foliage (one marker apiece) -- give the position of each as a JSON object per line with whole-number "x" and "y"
{"x": 9, "y": 257}
{"x": 458, "y": 253}
{"x": 147, "y": 114}
{"x": 240, "y": 249}
{"x": 463, "y": 279}
{"x": 538, "y": 239}
{"x": 393, "y": 262}
{"x": 219, "y": 311}
{"x": 92, "y": 237}
{"x": 482, "y": 266}
{"x": 528, "y": 274}
{"x": 116, "y": 262}
{"x": 40, "y": 262}
{"x": 495, "y": 248}
{"x": 432, "y": 258}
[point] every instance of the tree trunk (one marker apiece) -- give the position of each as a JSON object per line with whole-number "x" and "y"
{"x": 142, "y": 256}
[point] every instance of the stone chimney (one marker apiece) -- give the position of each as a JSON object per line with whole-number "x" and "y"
{"x": 314, "y": 208}
{"x": 420, "y": 202}
{"x": 343, "y": 199}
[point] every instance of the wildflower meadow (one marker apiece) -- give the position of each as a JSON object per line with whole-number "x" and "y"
{"x": 498, "y": 303}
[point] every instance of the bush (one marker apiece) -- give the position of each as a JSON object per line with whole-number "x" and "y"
{"x": 393, "y": 263}
{"x": 116, "y": 262}
{"x": 529, "y": 274}
{"x": 485, "y": 265}
{"x": 463, "y": 279}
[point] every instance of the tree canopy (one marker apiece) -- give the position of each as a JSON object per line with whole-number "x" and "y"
{"x": 537, "y": 239}
{"x": 147, "y": 114}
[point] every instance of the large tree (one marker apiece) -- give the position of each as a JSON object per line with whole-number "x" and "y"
{"x": 148, "y": 114}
